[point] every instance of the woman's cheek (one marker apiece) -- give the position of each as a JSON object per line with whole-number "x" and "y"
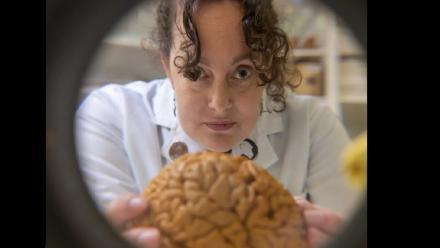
{"x": 190, "y": 108}
{"x": 248, "y": 113}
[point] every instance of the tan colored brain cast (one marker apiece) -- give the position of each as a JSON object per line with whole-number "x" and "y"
{"x": 215, "y": 200}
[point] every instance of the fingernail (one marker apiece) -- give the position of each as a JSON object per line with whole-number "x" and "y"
{"x": 149, "y": 236}
{"x": 137, "y": 202}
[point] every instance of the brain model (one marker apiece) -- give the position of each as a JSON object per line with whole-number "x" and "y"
{"x": 214, "y": 200}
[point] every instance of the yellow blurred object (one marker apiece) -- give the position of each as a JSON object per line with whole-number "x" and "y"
{"x": 354, "y": 160}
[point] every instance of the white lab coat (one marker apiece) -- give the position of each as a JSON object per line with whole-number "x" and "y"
{"x": 123, "y": 133}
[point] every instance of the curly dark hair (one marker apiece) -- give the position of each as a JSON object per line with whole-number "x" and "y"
{"x": 269, "y": 45}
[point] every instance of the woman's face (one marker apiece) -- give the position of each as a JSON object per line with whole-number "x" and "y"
{"x": 220, "y": 109}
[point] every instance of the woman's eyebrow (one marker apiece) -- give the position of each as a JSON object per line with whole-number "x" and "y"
{"x": 237, "y": 59}
{"x": 241, "y": 57}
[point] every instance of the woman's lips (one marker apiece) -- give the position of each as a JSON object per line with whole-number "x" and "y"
{"x": 220, "y": 126}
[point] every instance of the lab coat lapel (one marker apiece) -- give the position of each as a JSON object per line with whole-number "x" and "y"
{"x": 268, "y": 124}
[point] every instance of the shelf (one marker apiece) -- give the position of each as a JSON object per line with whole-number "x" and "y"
{"x": 135, "y": 42}
{"x": 124, "y": 41}
{"x": 131, "y": 41}
{"x": 354, "y": 99}
{"x": 349, "y": 55}
{"x": 301, "y": 52}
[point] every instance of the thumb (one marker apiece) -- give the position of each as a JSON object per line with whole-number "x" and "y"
{"x": 125, "y": 208}
{"x": 143, "y": 237}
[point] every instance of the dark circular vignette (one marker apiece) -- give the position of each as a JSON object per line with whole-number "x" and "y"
{"x": 74, "y": 30}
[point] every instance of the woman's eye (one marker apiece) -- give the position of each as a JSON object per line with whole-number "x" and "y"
{"x": 242, "y": 73}
{"x": 203, "y": 74}
{"x": 202, "y": 81}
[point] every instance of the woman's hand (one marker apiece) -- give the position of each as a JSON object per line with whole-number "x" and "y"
{"x": 126, "y": 208}
{"x": 321, "y": 223}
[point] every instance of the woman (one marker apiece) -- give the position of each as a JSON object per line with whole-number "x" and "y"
{"x": 226, "y": 90}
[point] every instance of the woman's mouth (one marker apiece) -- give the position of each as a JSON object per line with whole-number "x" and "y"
{"x": 220, "y": 125}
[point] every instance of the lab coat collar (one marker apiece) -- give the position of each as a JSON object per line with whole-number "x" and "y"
{"x": 267, "y": 124}
{"x": 163, "y": 105}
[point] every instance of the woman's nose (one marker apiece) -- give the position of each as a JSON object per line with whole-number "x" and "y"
{"x": 220, "y": 99}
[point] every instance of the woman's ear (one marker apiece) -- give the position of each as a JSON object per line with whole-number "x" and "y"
{"x": 166, "y": 67}
{"x": 165, "y": 64}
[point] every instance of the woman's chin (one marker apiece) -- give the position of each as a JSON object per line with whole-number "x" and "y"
{"x": 219, "y": 146}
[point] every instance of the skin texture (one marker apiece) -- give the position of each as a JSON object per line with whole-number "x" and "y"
{"x": 221, "y": 108}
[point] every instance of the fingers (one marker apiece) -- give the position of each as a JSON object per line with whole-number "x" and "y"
{"x": 322, "y": 223}
{"x": 323, "y": 220}
{"x": 303, "y": 203}
{"x": 143, "y": 237}
{"x": 125, "y": 208}
{"x": 316, "y": 237}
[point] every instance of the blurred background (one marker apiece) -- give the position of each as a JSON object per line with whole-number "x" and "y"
{"x": 331, "y": 62}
